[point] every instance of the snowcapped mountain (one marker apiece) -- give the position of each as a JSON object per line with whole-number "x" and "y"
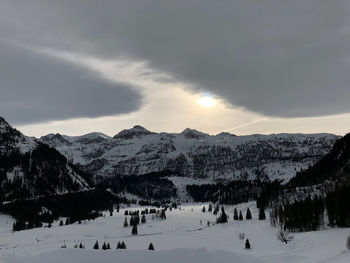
{"x": 137, "y": 151}
{"x": 30, "y": 168}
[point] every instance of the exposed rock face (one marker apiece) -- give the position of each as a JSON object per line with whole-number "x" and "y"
{"x": 29, "y": 168}
{"x": 195, "y": 154}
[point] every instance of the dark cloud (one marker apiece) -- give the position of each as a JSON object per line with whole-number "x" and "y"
{"x": 36, "y": 88}
{"x": 282, "y": 58}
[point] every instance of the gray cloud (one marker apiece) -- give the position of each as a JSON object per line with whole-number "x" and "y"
{"x": 282, "y": 58}
{"x": 37, "y": 88}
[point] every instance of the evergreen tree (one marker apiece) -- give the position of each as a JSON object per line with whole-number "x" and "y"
{"x": 108, "y": 246}
{"x": 203, "y": 209}
{"x": 248, "y": 214}
{"x": 348, "y": 243}
{"x": 210, "y": 208}
{"x": 61, "y": 223}
{"x": 235, "y": 214}
{"x": 134, "y": 230}
{"x": 104, "y": 246}
{"x": 123, "y": 246}
{"x": 223, "y": 217}
{"x": 150, "y": 247}
{"x": 96, "y": 246}
{"x": 143, "y": 219}
{"x": 162, "y": 214}
{"x": 247, "y": 244}
{"x": 126, "y": 222}
{"x": 262, "y": 213}
{"x": 240, "y": 215}
{"x": 81, "y": 245}
{"x": 119, "y": 245}
{"x": 67, "y": 221}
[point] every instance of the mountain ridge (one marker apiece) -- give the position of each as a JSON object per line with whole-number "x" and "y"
{"x": 195, "y": 154}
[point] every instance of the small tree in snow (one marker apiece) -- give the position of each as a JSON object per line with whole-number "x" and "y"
{"x": 104, "y": 246}
{"x": 143, "y": 219}
{"x": 96, "y": 246}
{"x": 150, "y": 247}
{"x": 262, "y": 213}
{"x": 123, "y": 246}
{"x": 248, "y": 215}
{"x": 126, "y": 222}
{"x": 284, "y": 236}
{"x": 134, "y": 230}
{"x": 247, "y": 244}
{"x": 223, "y": 217}
{"x": 235, "y": 214}
{"x": 348, "y": 242}
{"x": 240, "y": 215}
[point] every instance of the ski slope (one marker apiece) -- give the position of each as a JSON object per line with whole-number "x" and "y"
{"x": 179, "y": 238}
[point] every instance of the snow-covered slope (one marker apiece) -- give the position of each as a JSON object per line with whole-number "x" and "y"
{"x": 10, "y": 138}
{"x": 193, "y": 153}
{"x": 179, "y": 238}
{"x": 29, "y": 168}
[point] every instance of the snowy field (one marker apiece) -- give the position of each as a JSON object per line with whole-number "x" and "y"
{"x": 183, "y": 237}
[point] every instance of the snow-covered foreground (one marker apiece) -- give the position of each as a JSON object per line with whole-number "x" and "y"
{"x": 179, "y": 238}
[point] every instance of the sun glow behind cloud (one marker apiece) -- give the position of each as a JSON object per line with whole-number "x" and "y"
{"x": 175, "y": 105}
{"x": 207, "y": 101}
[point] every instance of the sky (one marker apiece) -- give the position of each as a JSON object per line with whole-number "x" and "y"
{"x": 244, "y": 66}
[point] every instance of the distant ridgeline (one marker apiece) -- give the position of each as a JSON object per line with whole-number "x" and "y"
{"x": 39, "y": 183}
{"x": 300, "y": 205}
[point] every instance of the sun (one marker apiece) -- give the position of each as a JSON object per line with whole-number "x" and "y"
{"x": 206, "y": 101}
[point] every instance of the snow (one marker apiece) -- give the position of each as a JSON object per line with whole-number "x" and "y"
{"x": 183, "y": 237}
{"x": 224, "y": 156}
{"x": 172, "y": 256}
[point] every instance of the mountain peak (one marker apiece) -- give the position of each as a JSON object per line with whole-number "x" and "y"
{"x": 4, "y": 124}
{"x": 193, "y": 134}
{"x": 136, "y": 131}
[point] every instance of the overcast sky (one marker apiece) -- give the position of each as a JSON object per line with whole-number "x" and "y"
{"x": 260, "y": 66}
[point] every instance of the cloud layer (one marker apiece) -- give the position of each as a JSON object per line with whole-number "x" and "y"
{"x": 279, "y": 58}
{"x": 37, "y": 88}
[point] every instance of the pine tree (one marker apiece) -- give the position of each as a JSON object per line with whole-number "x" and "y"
{"x": 210, "y": 208}
{"x": 235, "y": 214}
{"x": 150, "y": 247}
{"x": 262, "y": 213}
{"x": 123, "y": 246}
{"x": 348, "y": 243}
{"x": 61, "y": 223}
{"x": 96, "y": 246}
{"x": 203, "y": 209}
{"x": 223, "y": 217}
{"x": 247, "y": 244}
{"x": 126, "y": 222}
{"x": 108, "y": 246}
{"x": 67, "y": 221}
{"x": 81, "y": 245}
{"x": 248, "y": 215}
{"x": 240, "y": 215}
{"x": 162, "y": 214}
{"x": 104, "y": 246}
{"x": 143, "y": 219}
{"x": 119, "y": 245}
{"x": 134, "y": 230}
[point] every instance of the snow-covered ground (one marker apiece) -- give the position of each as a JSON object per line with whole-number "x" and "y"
{"x": 183, "y": 237}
